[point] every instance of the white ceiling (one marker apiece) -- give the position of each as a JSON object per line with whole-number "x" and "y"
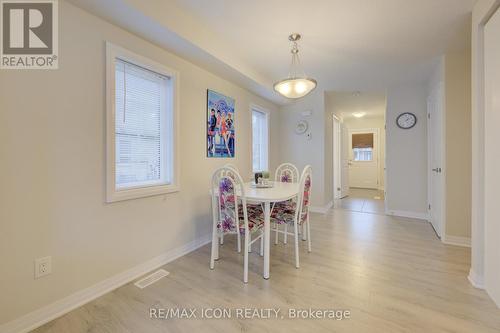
{"x": 346, "y": 45}
{"x": 344, "y": 104}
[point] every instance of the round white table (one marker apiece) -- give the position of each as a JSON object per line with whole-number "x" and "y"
{"x": 279, "y": 192}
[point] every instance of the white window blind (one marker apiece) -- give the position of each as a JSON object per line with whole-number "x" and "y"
{"x": 260, "y": 141}
{"x": 363, "y": 154}
{"x": 141, "y": 126}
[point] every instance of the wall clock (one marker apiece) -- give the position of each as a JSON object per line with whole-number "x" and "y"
{"x": 406, "y": 120}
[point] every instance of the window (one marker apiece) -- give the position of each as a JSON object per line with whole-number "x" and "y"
{"x": 260, "y": 140}
{"x": 362, "y": 147}
{"x": 363, "y": 154}
{"x": 141, "y": 156}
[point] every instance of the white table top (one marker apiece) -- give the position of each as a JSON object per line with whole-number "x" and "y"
{"x": 279, "y": 192}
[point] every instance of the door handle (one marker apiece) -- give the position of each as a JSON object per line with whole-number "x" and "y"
{"x": 438, "y": 170}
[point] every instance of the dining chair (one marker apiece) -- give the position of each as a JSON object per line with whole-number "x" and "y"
{"x": 232, "y": 166}
{"x": 298, "y": 214}
{"x": 285, "y": 173}
{"x": 233, "y": 216}
{"x": 252, "y": 205}
{"x": 231, "y": 172}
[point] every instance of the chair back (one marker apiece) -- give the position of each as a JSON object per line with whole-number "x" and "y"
{"x": 287, "y": 173}
{"x": 227, "y": 193}
{"x": 232, "y": 170}
{"x": 304, "y": 194}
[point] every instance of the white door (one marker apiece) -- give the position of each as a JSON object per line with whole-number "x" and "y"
{"x": 492, "y": 157}
{"x": 337, "y": 160}
{"x": 344, "y": 177}
{"x": 363, "y": 162}
{"x": 435, "y": 157}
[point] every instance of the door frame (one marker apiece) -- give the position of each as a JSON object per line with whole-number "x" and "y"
{"x": 481, "y": 15}
{"x": 435, "y": 92}
{"x": 337, "y": 157}
{"x": 376, "y": 131}
{"x": 344, "y": 162}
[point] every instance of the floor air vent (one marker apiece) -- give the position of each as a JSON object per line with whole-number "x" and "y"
{"x": 152, "y": 278}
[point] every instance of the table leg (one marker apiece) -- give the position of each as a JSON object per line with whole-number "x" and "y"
{"x": 267, "y": 238}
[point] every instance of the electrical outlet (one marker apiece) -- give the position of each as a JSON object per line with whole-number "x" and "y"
{"x": 43, "y": 266}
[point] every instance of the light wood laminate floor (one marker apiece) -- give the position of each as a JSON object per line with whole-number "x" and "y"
{"x": 393, "y": 275}
{"x": 362, "y": 200}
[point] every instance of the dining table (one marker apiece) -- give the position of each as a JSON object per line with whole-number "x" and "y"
{"x": 276, "y": 192}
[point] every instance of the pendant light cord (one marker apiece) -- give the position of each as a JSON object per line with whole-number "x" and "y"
{"x": 295, "y": 65}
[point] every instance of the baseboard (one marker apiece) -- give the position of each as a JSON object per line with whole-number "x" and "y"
{"x": 321, "y": 210}
{"x": 411, "y": 215}
{"x": 52, "y": 311}
{"x": 455, "y": 240}
{"x": 476, "y": 280}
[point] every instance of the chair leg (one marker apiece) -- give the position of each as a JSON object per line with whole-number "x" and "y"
{"x": 276, "y": 236}
{"x": 304, "y": 232}
{"x": 222, "y": 239}
{"x": 285, "y": 239}
{"x": 238, "y": 245}
{"x": 215, "y": 248}
{"x": 215, "y": 237}
{"x": 245, "y": 258}
{"x": 308, "y": 235}
{"x": 249, "y": 246}
{"x": 262, "y": 244}
{"x": 296, "y": 239}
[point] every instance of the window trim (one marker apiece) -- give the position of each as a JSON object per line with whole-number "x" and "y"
{"x": 112, "y": 193}
{"x": 268, "y": 118}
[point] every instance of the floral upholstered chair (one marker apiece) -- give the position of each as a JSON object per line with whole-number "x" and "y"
{"x": 297, "y": 214}
{"x": 232, "y": 172}
{"x": 231, "y": 215}
{"x": 285, "y": 173}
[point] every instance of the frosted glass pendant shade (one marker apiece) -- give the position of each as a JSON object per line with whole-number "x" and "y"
{"x": 295, "y": 87}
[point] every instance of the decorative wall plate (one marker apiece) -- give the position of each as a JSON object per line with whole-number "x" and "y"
{"x": 301, "y": 127}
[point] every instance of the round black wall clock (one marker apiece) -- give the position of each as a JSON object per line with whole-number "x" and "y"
{"x": 406, "y": 120}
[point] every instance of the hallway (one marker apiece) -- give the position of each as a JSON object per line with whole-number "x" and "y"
{"x": 363, "y": 200}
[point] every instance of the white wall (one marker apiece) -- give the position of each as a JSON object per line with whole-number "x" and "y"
{"x": 52, "y": 170}
{"x": 406, "y": 152}
{"x": 458, "y": 143}
{"x": 372, "y": 122}
{"x": 298, "y": 149}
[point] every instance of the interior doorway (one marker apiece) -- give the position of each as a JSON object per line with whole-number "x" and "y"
{"x": 364, "y": 158}
{"x": 337, "y": 160}
{"x": 358, "y": 150}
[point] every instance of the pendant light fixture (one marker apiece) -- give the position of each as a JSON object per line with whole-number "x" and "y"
{"x": 297, "y": 84}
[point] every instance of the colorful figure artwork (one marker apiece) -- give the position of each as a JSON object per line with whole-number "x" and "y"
{"x": 220, "y": 125}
